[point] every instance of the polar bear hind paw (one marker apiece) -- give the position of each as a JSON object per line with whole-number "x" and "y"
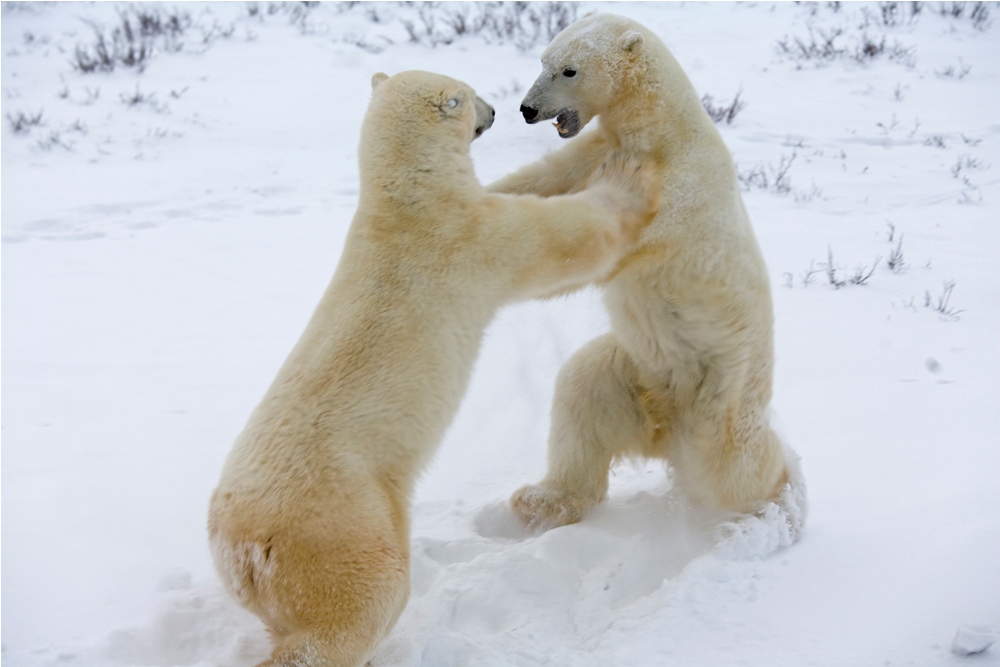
{"x": 543, "y": 508}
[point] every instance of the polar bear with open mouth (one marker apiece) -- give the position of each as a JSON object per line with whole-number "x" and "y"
{"x": 686, "y": 372}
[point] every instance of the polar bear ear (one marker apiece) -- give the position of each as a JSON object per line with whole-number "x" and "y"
{"x": 631, "y": 40}
{"x": 378, "y": 78}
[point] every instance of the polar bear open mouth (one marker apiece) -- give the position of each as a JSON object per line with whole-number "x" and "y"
{"x": 567, "y": 123}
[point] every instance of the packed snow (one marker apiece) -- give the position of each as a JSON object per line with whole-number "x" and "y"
{"x": 972, "y": 639}
{"x": 170, "y": 219}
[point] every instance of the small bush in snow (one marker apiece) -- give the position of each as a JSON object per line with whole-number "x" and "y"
{"x": 959, "y": 71}
{"x": 893, "y": 14}
{"x": 774, "y": 179}
{"x": 971, "y": 194}
{"x": 936, "y": 140}
{"x": 978, "y": 13}
{"x": 96, "y": 57}
{"x": 803, "y": 196}
{"x": 965, "y": 163}
{"x": 140, "y": 31}
{"x": 525, "y": 24}
{"x": 870, "y": 48}
{"x": 942, "y": 303}
{"x": 755, "y": 178}
{"x": 895, "y": 261}
{"x": 139, "y": 98}
{"x": 21, "y": 122}
{"x": 724, "y": 112}
{"x": 513, "y": 88}
{"x": 299, "y": 13}
{"x": 820, "y": 45}
{"x": 853, "y": 39}
{"x": 809, "y": 275}
{"x": 860, "y": 276}
{"x": 831, "y": 271}
{"x": 52, "y": 141}
{"x": 863, "y": 273}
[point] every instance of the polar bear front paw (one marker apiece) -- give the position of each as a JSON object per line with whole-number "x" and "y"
{"x": 540, "y": 507}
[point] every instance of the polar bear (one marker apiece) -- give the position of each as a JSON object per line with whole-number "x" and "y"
{"x": 309, "y": 524}
{"x": 686, "y": 372}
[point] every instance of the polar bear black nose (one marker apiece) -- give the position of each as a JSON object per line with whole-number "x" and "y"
{"x": 529, "y": 113}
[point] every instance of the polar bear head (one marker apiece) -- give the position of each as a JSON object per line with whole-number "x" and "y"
{"x": 424, "y": 98}
{"x": 585, "y": 71}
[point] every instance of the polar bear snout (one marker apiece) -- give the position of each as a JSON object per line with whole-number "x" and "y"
{"x": 484, "y": 116}
{"x": 539, "y": 105}
{"x": 567, "y": 120}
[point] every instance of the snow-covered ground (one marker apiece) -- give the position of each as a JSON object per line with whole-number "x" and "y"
{"x": 166, "y": 234}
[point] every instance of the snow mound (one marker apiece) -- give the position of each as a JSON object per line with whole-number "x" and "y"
{"x": 192, "y": 627}
{"x": 507, "y": 596}
{"x": 970, "y": 639}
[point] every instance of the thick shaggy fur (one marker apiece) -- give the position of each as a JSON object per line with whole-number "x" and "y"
{"x": 309, "y": 524}
{"x": 686, "y": 373}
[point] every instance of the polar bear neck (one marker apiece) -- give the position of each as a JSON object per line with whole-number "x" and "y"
{"x": 412, "y": 168}
{"x": 662, "y": 107}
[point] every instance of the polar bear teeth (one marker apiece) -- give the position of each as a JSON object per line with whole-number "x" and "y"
{"x": 567, "y": 123}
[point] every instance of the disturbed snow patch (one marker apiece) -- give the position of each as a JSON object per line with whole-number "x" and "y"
{"x": 503, "y": 595}
{"x": 578, "y": 593}
{"x": 192, "y": 626}
{"x": 774, "y": 526}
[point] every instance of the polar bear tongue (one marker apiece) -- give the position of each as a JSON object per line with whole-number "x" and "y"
{"x": 567, "y": 123}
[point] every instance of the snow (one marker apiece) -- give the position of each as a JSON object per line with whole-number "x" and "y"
{"x": 159, "y": 260}
{"x": 972, "y": 639}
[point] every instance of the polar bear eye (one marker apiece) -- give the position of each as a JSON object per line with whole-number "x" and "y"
{"x": 452, "y": 103}
{"x": 569, "y": 72}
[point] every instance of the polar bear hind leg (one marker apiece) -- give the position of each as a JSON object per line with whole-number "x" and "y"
{"x": 728, "y": 459}
{"x": 733, "y": 461}
{"x": 328, "y": 590}
{"x": 598, "y": 414}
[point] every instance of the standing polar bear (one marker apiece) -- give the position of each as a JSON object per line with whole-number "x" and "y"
{"x": 309, "y": 525}
{"x": 686, "y": 372}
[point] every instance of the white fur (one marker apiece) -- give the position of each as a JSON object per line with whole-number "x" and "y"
{"x": 686, "y": 373}
{"x": 309, "y": 525}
